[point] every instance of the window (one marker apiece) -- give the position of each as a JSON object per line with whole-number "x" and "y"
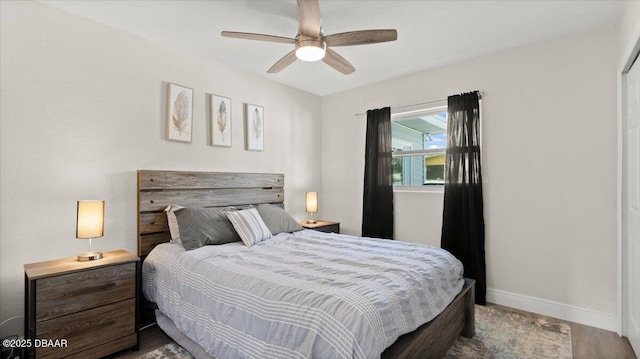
{"x": 419, "y": 142}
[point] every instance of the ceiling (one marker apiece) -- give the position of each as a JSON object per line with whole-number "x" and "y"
{"x": 430, "y": 33}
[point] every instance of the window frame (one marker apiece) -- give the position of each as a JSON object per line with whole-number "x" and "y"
{"x": 438, "y": 107}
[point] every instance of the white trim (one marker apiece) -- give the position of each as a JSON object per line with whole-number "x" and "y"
{"x": 621, "y": 330}
{"x": 554, "y": 309}
{"x": 429, "y": 151}
{"x": 626, "y": 61}
{"x": 430, "y": 107}
{"x": 434, "y": 188}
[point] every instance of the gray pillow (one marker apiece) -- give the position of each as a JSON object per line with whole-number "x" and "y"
{"x": 277, "y": 219}
{"x": 203, "y": 226}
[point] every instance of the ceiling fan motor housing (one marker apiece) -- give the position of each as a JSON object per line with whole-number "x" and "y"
{"x": 309, "y": 48}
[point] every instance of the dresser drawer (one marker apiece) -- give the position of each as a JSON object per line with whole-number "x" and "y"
{"x": 330, "y": 228}
{"x": 105, "y": 325}
{"x": 71, "y": 293}
{"x": 322, "y": 226}
{"x": 108, "y": 348}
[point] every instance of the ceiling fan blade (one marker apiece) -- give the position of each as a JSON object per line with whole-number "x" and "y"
{"x": 259, "y": 37}
{"x": 309, "y": 17}
{"x": 338, "y": 62}
{"x": 287, "y": 60}
{"x": 361, "y": 37}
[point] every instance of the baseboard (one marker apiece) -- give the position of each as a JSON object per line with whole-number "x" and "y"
{"x": 554, "y": 309}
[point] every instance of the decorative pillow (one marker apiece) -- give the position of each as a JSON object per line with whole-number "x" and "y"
{"x": 249, "y": 226}
{"x": 173, "y": 222}
{"x": 203, "y": 226}
{"x": 277, "y": 219}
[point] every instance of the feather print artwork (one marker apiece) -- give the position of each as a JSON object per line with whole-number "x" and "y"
{"x": 221, "y": 119}
{"x": 180, "y": 115}
{"x": 179, "y": 112}
{"x": 254, "y": 127}
{"x": 257, "y": 124}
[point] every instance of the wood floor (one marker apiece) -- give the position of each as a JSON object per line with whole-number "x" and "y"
{"x": 587, "y": 343}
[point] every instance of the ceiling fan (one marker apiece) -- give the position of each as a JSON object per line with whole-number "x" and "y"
{"x": 312, "y": 45}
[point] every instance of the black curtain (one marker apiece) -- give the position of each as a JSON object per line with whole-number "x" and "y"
{"x": 463, "y": 218}
{"x": 377, "y": 203}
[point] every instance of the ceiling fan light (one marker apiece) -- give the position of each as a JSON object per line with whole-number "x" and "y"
{"x": 310, "y": 50}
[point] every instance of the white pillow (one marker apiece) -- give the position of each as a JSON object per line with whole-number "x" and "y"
{"x": 250, "y": 226}
{"x": 173, "y": 223}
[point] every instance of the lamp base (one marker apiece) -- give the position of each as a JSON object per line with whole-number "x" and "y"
{"x": 89, "y": 256}
{"x": 312, "y": 221}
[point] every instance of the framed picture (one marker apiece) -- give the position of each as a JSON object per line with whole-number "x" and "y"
{"x": 179, "y": 113}
{"x": 254, "y": 127}
{"x": 220, "y": 120}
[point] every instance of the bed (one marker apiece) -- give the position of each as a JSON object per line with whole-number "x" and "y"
{"x": 269, "y": 329}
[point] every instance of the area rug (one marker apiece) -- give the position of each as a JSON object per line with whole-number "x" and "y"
{"x": 500, "y": 334}
{"x": 167, "y": 351}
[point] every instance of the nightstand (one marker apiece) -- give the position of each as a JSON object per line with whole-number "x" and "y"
{"x": 322, "y": 226}
{"x": 92, "y": 305}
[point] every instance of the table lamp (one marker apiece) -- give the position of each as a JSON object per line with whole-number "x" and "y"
{"x": 312, "y": 205}
{"x": 90, "y": 224}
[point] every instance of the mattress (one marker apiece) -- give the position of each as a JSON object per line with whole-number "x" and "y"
{"x": 302, "y": 295}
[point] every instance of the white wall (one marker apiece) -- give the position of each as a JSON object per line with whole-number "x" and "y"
{"x": 549, "y": 167}
{"x": 83, "y": 107}
{"x": 629, "y": 43}
{"x": 629, "y": 26}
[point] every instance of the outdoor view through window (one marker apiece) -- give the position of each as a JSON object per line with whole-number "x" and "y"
{"x": 419, "y": 142}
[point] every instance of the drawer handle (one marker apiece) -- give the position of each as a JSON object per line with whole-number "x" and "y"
{"x": 100, "y": 288}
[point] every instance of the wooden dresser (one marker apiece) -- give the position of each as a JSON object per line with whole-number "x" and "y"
{"x": 92, "y": 305}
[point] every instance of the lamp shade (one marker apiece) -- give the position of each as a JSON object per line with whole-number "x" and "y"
{"x": 312, "y": 202}
{"x": 90, "y": 222}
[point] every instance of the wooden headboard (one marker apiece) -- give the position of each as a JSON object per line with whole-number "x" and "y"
{"x": 159, "y": 189}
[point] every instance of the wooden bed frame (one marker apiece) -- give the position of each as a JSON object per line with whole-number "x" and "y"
{"x": 159, "y": 189}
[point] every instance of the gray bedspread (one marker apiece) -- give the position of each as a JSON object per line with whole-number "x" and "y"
{"x": 301, "y": 295}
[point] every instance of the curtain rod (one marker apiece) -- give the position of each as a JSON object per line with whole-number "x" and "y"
{"x": 422, "y": 104}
